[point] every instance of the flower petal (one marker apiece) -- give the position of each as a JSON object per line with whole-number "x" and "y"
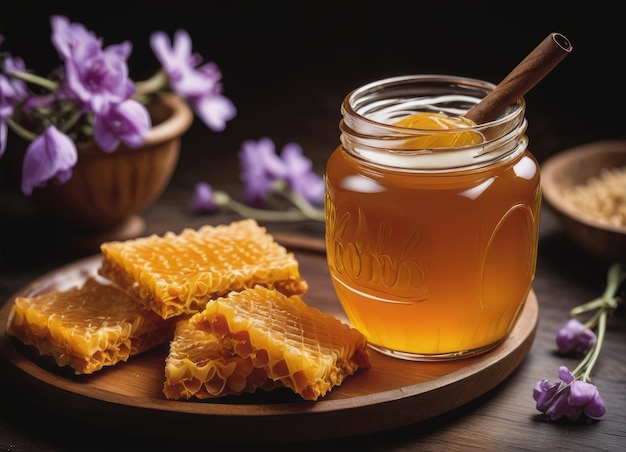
{"x": 203, "y": 199}
{"x": 198, "y": 85}
{"x": 559, "y": 407}
{"x": 300, "y": 175}
{"x": 565, "y": 375}
{"x": 215, "y": 111}
{"x": 3, "y": 136}
{"x": 596, "y": 408}
{"x": 581, "y": 393}
{"x": 543, "y": 393}
{"x": 574, "y": 337}
{"x": 72, "y": 40}
{"x": 98, "y": 77}
{"x": 128, "y": 122}
{"x": 260, "y": 169}
{"x": 50, "y": 156}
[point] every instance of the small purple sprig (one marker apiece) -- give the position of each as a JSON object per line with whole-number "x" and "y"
{"x": 269, "y": 180}
{"x": 91, "y": 96}
{"x": 569, "y": 398}
{"x": 574, "y": 396}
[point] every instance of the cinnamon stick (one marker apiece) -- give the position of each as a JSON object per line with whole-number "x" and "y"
{"x": 520, "y": 80}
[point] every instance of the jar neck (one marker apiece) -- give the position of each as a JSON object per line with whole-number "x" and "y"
{"x": 370, "y": 114}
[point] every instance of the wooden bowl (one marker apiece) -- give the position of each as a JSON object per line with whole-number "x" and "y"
{"x": 108, "y": 188}
{"x": 576, "y": 166}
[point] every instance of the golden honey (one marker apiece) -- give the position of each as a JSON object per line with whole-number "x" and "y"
{"x": 431, "y": 249}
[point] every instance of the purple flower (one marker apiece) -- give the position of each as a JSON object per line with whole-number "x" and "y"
{"x": 11, "y": 65}
{"x": 50, "y": 156}
{"x": 214, "y": 111}
{"x": 568, "y": 398}
{"x": 179, "y": 64}
{"x": 199, "y": 85}
{"x": 260, "y": 169}
{"x": 72, "y": 40}
{"x": 574, "y": 337}
{"x": 7, "y": 102}
{"x": 203, "y": 199}
{"x": 300, "y": 176}
{"x": 97, "y": 77}
{"x": 128, "y": 121}
{"x": 11, "y": 91}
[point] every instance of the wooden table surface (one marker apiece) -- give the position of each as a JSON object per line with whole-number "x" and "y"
{"x": 303, "y": 106}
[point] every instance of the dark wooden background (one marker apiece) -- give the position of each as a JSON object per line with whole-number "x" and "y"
{"x": 281, "y": 59}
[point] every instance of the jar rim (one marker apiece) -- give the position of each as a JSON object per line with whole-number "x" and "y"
{"x": 515, "y": 110}
{"x": 371, "y": 112}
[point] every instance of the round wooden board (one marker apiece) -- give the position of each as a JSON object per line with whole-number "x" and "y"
{"x": 392, "y": 393}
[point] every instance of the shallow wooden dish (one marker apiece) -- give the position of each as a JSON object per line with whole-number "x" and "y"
{"x": 393, "y": 393}
{"x": 575, "y": 166}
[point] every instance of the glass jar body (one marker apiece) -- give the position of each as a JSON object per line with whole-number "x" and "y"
{"x": 431, "y": 260}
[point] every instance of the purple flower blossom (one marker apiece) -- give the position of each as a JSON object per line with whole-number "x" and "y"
{"x": 260, "y": 169}
{"x": 50, "y": 156}
{"x": 179, "y": 63}
{"x": 199, "y": 85}
{"x": 574, "y": 337}
{"x": 214, "y": 111}
{"x": 11, "y": 65}
{"x": 72, "y": 39}
{"x": 128, "y": 121}
{"x": 7, "y": 102}
{"x": 203, "y": 199}
{"x": 90, "y": 95}
{"x": 11, "y": 91}
{"x": 96, "y": 76}
{"x": 568, "y": 398}
{"x": 300, "y": 175}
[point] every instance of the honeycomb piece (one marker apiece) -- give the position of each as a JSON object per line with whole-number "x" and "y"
{"x": 199, "y": 366}
{"x": 87, "y": 327}
{"x": 305, "y": 349}
{"x": 178, "y": 274}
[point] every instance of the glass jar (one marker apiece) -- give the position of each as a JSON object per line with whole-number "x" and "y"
{"x": 431, "y": 251}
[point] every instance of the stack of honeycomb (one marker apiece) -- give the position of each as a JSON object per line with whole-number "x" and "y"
{"x": 178, "y": 274}
{"x": 226, "y": 297}
{"x": 292, "y": 343}
{"x": 87, "y": 327}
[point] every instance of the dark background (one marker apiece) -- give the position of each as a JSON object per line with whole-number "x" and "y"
{"x": 287, "y": 66}
{"x": 286, "y": 61}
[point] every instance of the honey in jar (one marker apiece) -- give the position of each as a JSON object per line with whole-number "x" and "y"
{"x": 431, "y": 221}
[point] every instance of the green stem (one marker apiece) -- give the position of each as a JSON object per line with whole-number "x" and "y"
{"x": 598, "y": 346}
{"x": 596, "y": 303}
{"x": 306, "y": 208}
{"x": 605, "y": 305}
{"x": 614, "y": 279}
{"x": 302, "y": 204}
{"x": 222, "y": 199}
{"x": 583, "y": 370}
{"x": 34, "y": 79}
{"x": 21, "y": 131}
{"x": 593, "y": 321}
{"x": 155, "y": 83}
{"x": 73, "y": 119}
{"x": 615, "y": 276}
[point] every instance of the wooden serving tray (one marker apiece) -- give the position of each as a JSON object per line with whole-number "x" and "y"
{"x": 393, "y": 393}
